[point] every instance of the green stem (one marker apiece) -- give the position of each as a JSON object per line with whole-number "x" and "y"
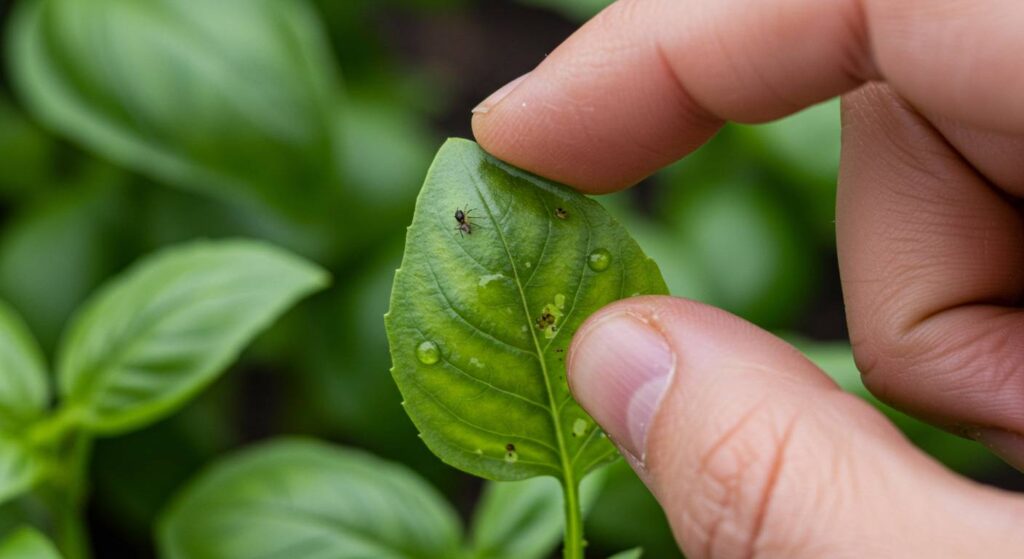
{"x": 573, "y": 540}
{"x": 54, "y": 429}
{"x": 65, "y": 497}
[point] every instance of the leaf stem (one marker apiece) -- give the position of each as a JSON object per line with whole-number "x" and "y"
{"x": 55, "y": 428}
{"x": 65, "y": 495}
{"x": 573, "y": 540}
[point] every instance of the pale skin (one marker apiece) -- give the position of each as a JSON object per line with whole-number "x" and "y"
{"x": 751, "y": 450}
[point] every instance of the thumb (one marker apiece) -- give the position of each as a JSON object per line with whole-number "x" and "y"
{"x": 753, "y": 452}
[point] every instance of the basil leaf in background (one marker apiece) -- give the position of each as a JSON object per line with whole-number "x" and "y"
{"x": 481, "y": 316}
{"x": 804, "y": 149}
{"x": 297, "y": 498}
{"x": 24, "y": 394}
{"x": 755, "y": 260}
{"x": 27, "y": 543}
{"x": 232, "y": 97}
{"x": 644, "y": 524}
{"x": 74, "y": 229}
{"x": 20, "y": 466}
{"x": 28, "y": 154}
{"x": 524, "y": 519}
{"x": 157, "y": 334}
{"x": 631, "y": 554}
{"x": 24, "y": 397}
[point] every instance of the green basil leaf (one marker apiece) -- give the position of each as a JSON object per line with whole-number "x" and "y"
{"x": 635, "y": 553}
{"x": 24, "y": 393}
{"x": 20, "y": 466}
{"x": 27, "y": 543}
{"x": 481, "y": 316}
{"x": 24, "y": 397}
{"x": 298, "y": 498}
{"x": 524, "y": 519}
{"x": 160, "y": 332}
{"x": 231, "y": 97}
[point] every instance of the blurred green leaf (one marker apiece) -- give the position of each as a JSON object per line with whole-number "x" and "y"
{"x": 163, "y": 330}
{"x": 27, "y": 543}
{"x": 27, "y": 153}
{"x": 20, "y": 466}
{"x": 296, "y": 498}
{"x": 807, "y": 142}
{"x": 24, "y": 390}
{"x": 524, "y": 519}
{"x": 24, "y": 397}
{"x": 347, "y": 374}
{"x": 804, "y": 149}
{"x": 480, "y": 317}
{"x": 755, "y": 262}
{"x": 53, "y": 252}
{"x": 385, "y": 151}
{"x": 644, "y": 524}
{"x": 232, "y": 97}
{"x": 635, "y": 553}
{"x": 160, "y": 217}
{"x": 579, "y": 10}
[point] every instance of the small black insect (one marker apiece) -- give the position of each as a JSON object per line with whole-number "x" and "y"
{"x": 561, "y": 213}
{"x": 464, "y": 225}
{"x": 544, "y": 320}
{"x": 510, "y": 447}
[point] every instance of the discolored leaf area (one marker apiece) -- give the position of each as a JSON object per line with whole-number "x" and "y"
{"x": 483, "y": 309}
{"x": 163, "y": 330}
{"x": 24, "y": 398}
{"x": 298, "y": 498}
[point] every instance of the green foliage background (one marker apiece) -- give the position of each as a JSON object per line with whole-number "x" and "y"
{"x": 311, "y": 125}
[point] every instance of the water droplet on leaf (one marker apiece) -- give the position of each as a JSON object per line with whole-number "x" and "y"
{"x": 428, "y": 353}
{"x": 599, "y": 260}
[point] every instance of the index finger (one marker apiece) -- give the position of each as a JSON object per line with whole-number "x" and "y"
{"x": 647, "y": 81}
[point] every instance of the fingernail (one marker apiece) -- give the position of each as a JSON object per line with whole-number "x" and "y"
{"x": 487, "y": 104}
{"x": 1005, "y": 444}
{"x": 619, "y": 368}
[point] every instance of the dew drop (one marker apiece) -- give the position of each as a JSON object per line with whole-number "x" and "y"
{"x": 599, "y": 260}
{"x": 580, "y": 427}
{"x": 494, "y": 289}
{"x": 428, "y": 353}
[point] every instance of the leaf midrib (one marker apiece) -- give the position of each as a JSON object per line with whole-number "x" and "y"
{"x": 567, "y": 474}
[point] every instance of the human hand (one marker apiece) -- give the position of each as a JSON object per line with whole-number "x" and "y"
{"x": 751, "y": 450}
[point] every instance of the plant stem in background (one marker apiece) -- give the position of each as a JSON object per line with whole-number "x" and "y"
{"x": 65, "y": 497}
{"x": 574, "y": 542}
